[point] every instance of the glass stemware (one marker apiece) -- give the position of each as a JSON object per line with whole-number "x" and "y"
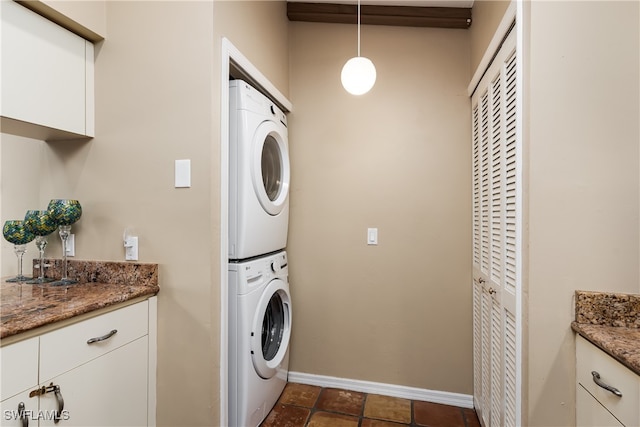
{"x": 41, "y": 224}
{"x": 64, "y": 212}
{"x": 14, "y": 232}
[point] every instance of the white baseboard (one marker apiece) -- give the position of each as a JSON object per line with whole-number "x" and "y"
{"x": 413, "y": 393}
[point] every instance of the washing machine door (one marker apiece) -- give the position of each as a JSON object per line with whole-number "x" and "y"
{"x": 270, "y": 167}
{"x": 271, "y": 329}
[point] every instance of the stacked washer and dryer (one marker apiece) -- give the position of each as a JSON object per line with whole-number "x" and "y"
{"x": 259, "y": 299}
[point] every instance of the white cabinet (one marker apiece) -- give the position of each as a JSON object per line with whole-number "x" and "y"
{"x": 19, "y": 367}
{"x": 18, "y": 409}
{"x": 100, "y": 371}
{"x": 47, "y": 77}
{"x": 590, "y": 413}
{"x": 597, "y": 406}
{"x": 108, "y": 391}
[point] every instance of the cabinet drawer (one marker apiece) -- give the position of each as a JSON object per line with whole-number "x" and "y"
{"x": 591, "y": 358}
{"x": 19, "y": 367}
{"x": 64, "y": 349}
{"x": 591, "y": 413}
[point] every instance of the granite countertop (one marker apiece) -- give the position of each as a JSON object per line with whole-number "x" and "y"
{"x": 611, "y": 321}
{"x": 24, "y": 307}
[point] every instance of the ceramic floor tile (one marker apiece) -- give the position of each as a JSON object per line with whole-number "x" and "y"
{"x": 471, "y": 417}
{"x": 328, "y": 419}
{"x": 388, "y": 408}
{"x": 342, "y": 401}
{"x": 286, "y": 416}
{"x": 437, "y": 415}
{"x": 368, "y": 422}
{"x": 300, "y": 395}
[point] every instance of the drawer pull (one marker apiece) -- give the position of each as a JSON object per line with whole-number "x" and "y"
{"x": 597, "y": 380}
{"x": 102, "y": 338}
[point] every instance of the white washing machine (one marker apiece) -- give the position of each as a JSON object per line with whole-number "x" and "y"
{"x": 259, "y": 335}
{"x": 259, "y": 173}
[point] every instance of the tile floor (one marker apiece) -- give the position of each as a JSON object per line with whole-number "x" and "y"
{"x": 303, "y": 405}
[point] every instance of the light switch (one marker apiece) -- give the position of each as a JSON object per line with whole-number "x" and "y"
{"x": 183, "y": 173}
{"x": 372, "y": 236}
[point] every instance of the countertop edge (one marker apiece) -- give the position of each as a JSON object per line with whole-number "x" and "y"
{"x": 8, "y": 336}
{"x": 587, "y": 332}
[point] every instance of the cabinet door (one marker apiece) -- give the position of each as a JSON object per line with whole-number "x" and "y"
{"x": 108, "y": 391}
{"x": 18, "y": 409}
{"x": 44, "y": 72}
{"x": 19, "y": 367}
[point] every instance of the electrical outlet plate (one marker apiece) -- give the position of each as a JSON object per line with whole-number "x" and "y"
{"x": 131, "y": 248}
{"x": 71, "y": 245}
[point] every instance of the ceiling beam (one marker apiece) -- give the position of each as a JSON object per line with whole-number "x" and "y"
{"x": 405, "y": 16}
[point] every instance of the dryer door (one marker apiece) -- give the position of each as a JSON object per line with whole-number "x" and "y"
{"x": 270, "y": 167}
{"x": 271, "y": 329}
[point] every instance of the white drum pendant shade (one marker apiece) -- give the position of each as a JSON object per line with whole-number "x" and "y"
{"x": 358, "y": 75}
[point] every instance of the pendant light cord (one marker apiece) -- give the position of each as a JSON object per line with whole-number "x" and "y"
{"x": 358, "y": 27}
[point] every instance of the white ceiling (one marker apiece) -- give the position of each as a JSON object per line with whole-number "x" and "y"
{"x": 415, "y": 3}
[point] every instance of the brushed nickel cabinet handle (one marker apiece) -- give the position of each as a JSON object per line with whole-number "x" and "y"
{"x": 102, "y": 338}
{"x": 600, "y": 383}
{"x": 60, "y": 401}
{"x": 24, "y": 419}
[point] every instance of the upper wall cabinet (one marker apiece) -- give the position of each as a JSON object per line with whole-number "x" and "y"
{"x": 47, "y": 77}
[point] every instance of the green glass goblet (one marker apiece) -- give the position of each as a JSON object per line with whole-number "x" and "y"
{"x": 14, "y": 232}
{"x": 65, "y": 212}
{"x": 41, "y": 224}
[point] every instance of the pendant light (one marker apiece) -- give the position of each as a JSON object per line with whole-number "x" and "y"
{"x": 358, "y": 74}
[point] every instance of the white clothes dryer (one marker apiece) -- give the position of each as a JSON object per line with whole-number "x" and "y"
{"x": 259, "y": 335}
{"x": 259, "y": 173}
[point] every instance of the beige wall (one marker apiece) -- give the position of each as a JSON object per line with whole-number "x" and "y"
{"x": 158, "y": 100}
{"x": 259, "y": 30}
{"x": 582, "y": 104}
{"x": 486, "y": 15}
{"x": 154, "y": 105}
{"x": 397, "y": 158}
{"x": 20, "y": 191}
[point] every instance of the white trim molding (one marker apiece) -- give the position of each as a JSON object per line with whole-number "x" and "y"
{"x": 393, "y": 390}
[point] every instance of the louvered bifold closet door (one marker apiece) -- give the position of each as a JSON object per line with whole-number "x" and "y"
{"x": 496, "y": 228}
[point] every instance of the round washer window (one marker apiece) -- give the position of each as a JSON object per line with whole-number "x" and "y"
{"x": 271, "y": 167}
{"x": 273, "y": 327}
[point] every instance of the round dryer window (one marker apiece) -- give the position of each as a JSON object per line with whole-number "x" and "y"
{"x": 271, "y": 329}
{"x": 270, "y": 167}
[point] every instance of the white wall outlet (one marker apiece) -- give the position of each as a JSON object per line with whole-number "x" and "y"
{"x": 372, "y": 236}
{"x": 131, "y": 248}
{"x": 71, "y": 245}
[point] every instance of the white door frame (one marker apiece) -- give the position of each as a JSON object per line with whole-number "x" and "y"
{"x": 231, "y": 55}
